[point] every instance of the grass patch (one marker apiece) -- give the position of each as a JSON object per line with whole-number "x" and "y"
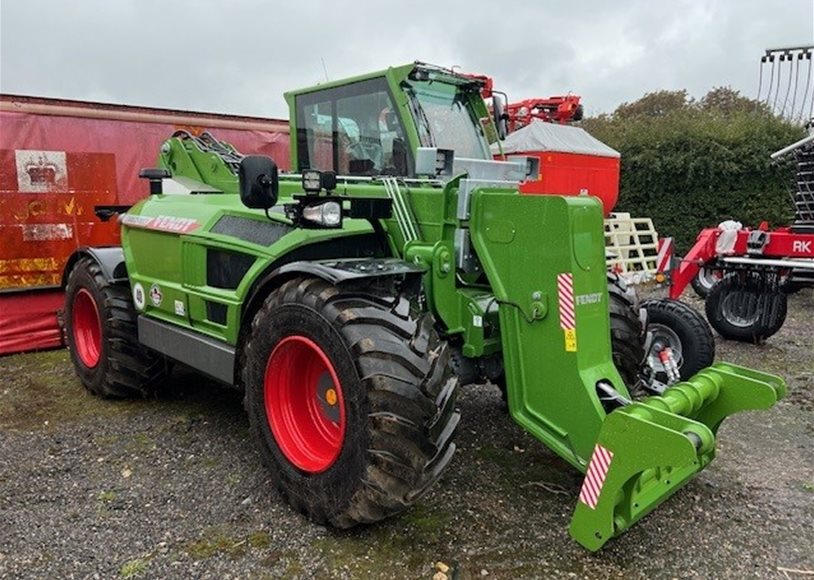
{"x": 429, "y": 523}
{"x": 259, "y": 539}
{"x": 217, "y": 541}
{"x": 214, "y": 544}
{"x": 397, "y": 547}
{"x": 40, "y": 390}
{"x": 133, "y": 568}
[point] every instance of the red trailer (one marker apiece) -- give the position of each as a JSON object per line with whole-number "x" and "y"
{"x": 59, "y": 159}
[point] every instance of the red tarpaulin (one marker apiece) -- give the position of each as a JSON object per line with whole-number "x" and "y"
{"x": 29, "y": 320}
{"x": 58, "y": 159}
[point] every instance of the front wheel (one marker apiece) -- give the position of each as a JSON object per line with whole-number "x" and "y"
{"x": 678, "y": 326}
{"x": 350, "y": 398}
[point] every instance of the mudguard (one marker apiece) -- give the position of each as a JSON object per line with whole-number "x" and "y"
{"x": 345, "y": 270}
{"x": 110, "y": 260}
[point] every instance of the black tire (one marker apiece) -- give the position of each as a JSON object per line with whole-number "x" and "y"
{"x": 682, "y": 328}
{"x": 627, "y": 337}
{"x": 788, "y": 288}
{"x": 125, "y": 368}
{"x": 704, "y": 281}
{"x": 399, "y": 399}
{"x": 741, "y": 307}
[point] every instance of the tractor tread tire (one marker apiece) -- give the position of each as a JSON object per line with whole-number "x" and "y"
{"x": 697, "y": 341}
{"x": 407, "y": 395}
{"x": 773, "y": 309}
{"x": 126, "y": 368}
{"x": 627, "y": 337}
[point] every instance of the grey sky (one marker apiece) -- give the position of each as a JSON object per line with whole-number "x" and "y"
{"x": 240, "y": 56}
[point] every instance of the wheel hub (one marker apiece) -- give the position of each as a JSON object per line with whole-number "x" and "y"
{"x": 304, "y": 404}
{"x": 663, "y": 336}
{"x": 87, "y": 328}
{"x": 740, "y": 308}
{"x": 708, "y": 277}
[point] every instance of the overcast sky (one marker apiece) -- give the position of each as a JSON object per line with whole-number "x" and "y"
{"x": 240, "y": 56}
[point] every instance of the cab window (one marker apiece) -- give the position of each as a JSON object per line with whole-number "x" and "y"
{"x": 353, "y": 130}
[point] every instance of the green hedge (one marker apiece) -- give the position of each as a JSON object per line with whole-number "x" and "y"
{"x": 692, "y": 164}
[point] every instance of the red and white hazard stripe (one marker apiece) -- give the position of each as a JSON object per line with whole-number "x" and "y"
{"x": 665, "y": 255}
{"x": 595, "y": 477}
{"x": 565, "y": 290}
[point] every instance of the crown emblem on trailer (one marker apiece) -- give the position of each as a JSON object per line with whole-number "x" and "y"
{"x": 42, "y": 173}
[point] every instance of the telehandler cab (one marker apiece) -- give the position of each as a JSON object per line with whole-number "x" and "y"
{"x": 349, "y": 299}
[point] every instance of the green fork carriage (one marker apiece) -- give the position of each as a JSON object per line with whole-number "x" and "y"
{"x": 340, "y": 295}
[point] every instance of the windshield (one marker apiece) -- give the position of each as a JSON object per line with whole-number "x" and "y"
{"x": 444, "y": 120}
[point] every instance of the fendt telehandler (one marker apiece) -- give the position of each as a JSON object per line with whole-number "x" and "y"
{"x": 349, "y": 299}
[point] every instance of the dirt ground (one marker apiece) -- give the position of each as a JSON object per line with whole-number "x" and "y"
{"x": 172, "y": 488}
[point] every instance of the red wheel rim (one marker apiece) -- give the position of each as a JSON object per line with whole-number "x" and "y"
{"x": 87, "y": 328}
{"x": 304, "y": 404}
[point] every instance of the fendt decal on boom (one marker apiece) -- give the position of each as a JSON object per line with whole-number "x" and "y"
{"x": 356, "y": 295}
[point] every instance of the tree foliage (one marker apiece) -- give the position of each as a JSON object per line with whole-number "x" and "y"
{"x": 690, "y": 164}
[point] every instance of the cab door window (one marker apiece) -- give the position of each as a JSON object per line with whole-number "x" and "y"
{"x": 352, "y": 130}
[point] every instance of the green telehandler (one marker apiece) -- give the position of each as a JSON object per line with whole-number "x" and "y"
{"x": 349, "y": 299}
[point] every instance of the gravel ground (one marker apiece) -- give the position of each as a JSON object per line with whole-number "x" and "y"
{"x": 172, "y": 488}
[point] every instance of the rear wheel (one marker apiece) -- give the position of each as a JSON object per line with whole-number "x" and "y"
{"x": 350, "y": 398}
{"x": 705, "y": 280}
{"x": 678, "y": 326}
{"x": 742, "y": 307}
{"x": 102, "y": 336}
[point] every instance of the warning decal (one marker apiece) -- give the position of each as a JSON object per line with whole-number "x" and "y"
{"x": 665, "y": 254}
{"x": 595, "y": 477}
{"x": 568, "y": 321}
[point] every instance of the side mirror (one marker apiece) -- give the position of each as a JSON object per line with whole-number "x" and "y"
{"x": 499, "y": 115}
{"x": 259, "y": 182}
{"x": 155, "y": 175}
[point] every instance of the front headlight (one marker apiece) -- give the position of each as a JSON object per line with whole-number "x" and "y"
{"x": 328, "y": 214}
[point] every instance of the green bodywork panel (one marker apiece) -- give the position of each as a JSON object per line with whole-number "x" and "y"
{"x": 510, "y": 306}
{"x": 177, "y": 262}
{"x": 550, "y": 236}
{"x": 652, "y": 454}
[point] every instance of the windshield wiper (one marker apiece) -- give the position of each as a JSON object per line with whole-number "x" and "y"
{"x": 419, "y": 114}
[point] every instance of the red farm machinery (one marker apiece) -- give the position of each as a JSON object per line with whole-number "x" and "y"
{"x": 745, "y": 274}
